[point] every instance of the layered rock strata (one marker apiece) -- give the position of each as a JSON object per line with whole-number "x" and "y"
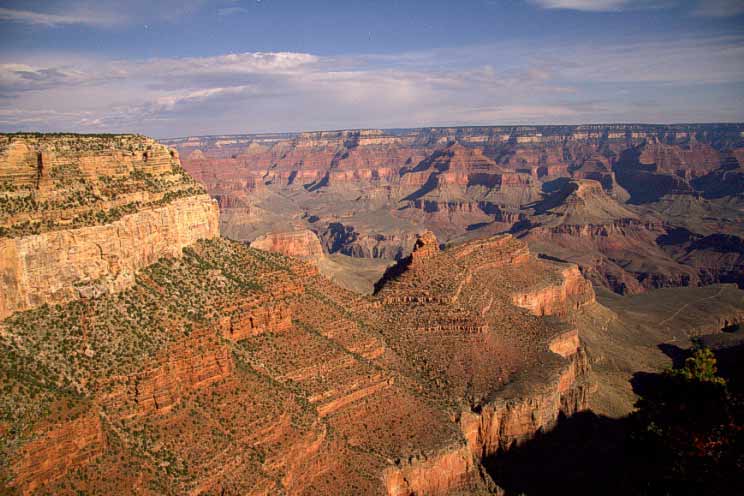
{"x": 509, "y": 403}
{"x": 235, "y": 370}
{"x": 301, "y": 244}
{"x": 368, "y": 193}
{"x": 80, "y": 215}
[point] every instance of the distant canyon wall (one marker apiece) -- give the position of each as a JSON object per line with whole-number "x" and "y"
{"x": 368, "y": 193}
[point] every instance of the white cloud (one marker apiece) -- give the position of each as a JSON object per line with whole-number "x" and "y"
{"x": 16, "y": 119}
{"x": 48, "y": 19}
{"x": 234, "y": 63}
{"x": 600, "y": 5}
{"x": 103, "y": 13}
{"x": 703, "y": 8}
{"x": 690, "y": 61}
{"x": 23, "y": 77}
{"x": 696, "y": 79}
{"x": 168, "y": 73}
{"x": 584, "y": 5}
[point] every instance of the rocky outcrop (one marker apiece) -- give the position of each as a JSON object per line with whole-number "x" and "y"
{"x": 79, "y": 215}
{"x": 53, "y": 182}
{"x": 366, "y": 193}
{"x": 566, "y": 344}
{"x": 578, "y": 203}
{"x": 455, "y": 294}
{"x": 426, "y": 246}
{"x": 727, "y": 181}
{"x": 492, "y": 428}
{"x": 255, "y": 319}
{"x": 718, "y": 258}
{"x": 234, "y": 369}
{"x": 301, "y": 244}
{"x": 189, "y": 365}
{"x": 338, "y": 237}
{"x": 498, "y": 425}
{"x": 451, "y": 471}
{"x": 570, "y": 294}
{"x": 615, "y": 246}
{"x": 57, "y": 266}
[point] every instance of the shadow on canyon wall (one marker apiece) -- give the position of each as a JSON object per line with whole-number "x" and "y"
{"x": 590, "y": 454}
{"x": 583, "y": 454}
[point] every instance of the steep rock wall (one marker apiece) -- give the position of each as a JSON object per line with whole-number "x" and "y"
{"x": 570, "y": 294}
{"x": 302, "y": 243}
{"x": 500, "y": 424}
{"x": 449, "y": 471}
{"x": 57, "y": 266}
{"x": 522, "y": 410}
{"x": 270, "y": 317}
{"x": 188, "y": 365}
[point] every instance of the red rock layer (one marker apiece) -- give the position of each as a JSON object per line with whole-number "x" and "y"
{"x": 301, "y": 244}
{"x": 59, "y": 448}
{"x": 570, "y": 294}
{"x": 188, "y": 365}
{"x": 294, "y": 385}
{"x": 458, "y": 181}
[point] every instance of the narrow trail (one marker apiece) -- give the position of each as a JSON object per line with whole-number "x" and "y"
{"x": 680, "y": 309}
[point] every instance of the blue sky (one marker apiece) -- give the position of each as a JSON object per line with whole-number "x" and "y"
{"x": 174, "y": 68}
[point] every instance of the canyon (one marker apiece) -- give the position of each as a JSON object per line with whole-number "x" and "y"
{"x": 637, "y": 207}
{"x": 144, "y": 349}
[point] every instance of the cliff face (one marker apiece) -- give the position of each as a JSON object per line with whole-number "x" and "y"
{"x": 57, "y": 266}
{"x": 571, "y": 293}
{"x": 494, "y": 428}
{"x": 189, "y": 365}
{"x": 301, "y": 244}
{"x": 58, "y": 182}
{"x": 454, "y": 470}
{"x": 81, "y": 215}
{"x": 623, "y": 249}
{"x": 501, "y": 424}
{"x": 176, "y": 366}
{"x": 392, "y": 244}
{"x": 61, "y": 447}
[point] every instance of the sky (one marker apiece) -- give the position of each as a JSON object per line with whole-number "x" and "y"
{"x": 194, "y": 67}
